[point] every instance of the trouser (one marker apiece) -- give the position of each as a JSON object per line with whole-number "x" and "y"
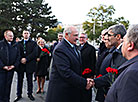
{"x": 29, "y": 83}
{"x": 100, "y": 95}
{"x": 5, "y": 85}
{"x": 87, "y": 95}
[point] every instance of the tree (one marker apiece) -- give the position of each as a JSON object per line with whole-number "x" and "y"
{"x": 34, "y": 15}
{"x": 101, "y": 18}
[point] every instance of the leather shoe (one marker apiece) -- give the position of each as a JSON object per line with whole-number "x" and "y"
{"x": 31, "y": 97}
{"x": 17, "y": 98}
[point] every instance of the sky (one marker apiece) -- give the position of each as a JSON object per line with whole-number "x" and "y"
{"x": 75, "y": 11}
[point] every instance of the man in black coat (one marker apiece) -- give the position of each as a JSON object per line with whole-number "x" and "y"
{"x": 9, "y": 60}
{"x": 66, "y": 82}
{"x": 88, "y": 57}
{"x": 60, "y": 36}
{"x": 125, "y": 87}
{"x": 28, "y": 51}
{"x": 113, "y": 59}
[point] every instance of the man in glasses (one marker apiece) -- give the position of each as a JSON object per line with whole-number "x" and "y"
{"x": 88, "y": 57}
{"x": 114, "y": 59}
{"x": 125, "y": 87}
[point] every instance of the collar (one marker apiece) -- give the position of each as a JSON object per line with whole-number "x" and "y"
{"x": 128, "y": 62}
{"x": 119, "y": 46}
{"x": 69, "y": 43}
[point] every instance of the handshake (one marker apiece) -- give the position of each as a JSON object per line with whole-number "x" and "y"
{"x": 90, "y": 83}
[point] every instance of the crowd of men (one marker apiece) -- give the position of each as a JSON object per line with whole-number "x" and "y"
{"x": 74, "y": 68}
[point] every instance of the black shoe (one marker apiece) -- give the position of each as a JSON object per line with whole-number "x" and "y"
{"x": 17, "y": 98}
{"x": 31, "y": 97}
{"x": 39, "y": 91}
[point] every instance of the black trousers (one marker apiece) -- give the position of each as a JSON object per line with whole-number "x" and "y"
{"x": 5, "y": 85}
{"x": 86, "y": 95}
{"x": 29, "y": 83}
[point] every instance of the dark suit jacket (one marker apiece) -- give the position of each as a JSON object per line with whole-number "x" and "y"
{"x": 105, "y": 81}
{"x": 9, "y": 55}
{"x": 125, "y": 87}
{"x": 116, "y": 61}
{"x": 65, "y": 81}
{"x": 102, "y": 53}
{"x": 31, "y": 55}
{"x": 88, "y": 56}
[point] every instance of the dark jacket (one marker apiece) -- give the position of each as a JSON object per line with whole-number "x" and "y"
{"x": 116, "y": 61}
{"x": 125, "y": 87}
{"x": 88, "y": 57}
{"x": 9, "y": 54}
{"x": 31, "y": 55}
{"x": 43, "y": 64}
{"x": 102, "y": 53}
{"x": 65, "y": 81}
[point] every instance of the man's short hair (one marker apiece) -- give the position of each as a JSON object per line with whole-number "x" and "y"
{"x": 6, "y": 31}
{"x": 86, "y": 36}
{"x": 118, "y": 29}
{"x": 132, "y": 35}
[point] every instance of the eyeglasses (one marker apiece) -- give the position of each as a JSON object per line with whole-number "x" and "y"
{"x": 82, "y": 37}
{"x": 110, "y": 35}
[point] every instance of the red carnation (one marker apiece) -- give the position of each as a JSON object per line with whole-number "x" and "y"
{"x": 86, "y": 71}
{"x": 100, "y": 75}
{"x": 45, "y": 50}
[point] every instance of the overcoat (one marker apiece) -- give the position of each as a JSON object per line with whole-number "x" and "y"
{"x": 31, "y": 55}
{"x": 88, "y": 55}
{"x": 65, "y": 83}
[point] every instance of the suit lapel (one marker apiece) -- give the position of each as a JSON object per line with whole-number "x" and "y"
{"x": 71, "y": 50}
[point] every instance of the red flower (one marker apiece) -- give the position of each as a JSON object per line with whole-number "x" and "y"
{"x": 86, "y": 71}
{"x": 112, "y": 70}
{"x": 100, "y": 75}
{"x": 45, "y": 50}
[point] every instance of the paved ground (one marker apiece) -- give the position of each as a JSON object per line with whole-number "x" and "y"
{"x": 38, "y": 97}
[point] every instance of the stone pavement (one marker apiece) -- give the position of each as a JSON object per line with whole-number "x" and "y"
{"x": 38, "y": 97}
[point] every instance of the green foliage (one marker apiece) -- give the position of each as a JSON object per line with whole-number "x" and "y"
{"x": 34, "y": 15}
{"x": 52, "y": 33}
{"x": 101, "y": 18}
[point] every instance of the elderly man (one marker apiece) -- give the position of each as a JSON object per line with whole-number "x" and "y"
{"x": 125, "y": 89}
{"x": 88, "y": 57}
{"x": 9, "y": 60}
{"x": 66, "y": 83}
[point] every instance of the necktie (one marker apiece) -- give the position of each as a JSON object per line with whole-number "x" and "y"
{"x": 24, "y": 47}
{"x": 76, "y": 51}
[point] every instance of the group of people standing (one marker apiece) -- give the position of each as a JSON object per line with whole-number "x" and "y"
{"x": 26, "y": 56}
{"x": 75, "y": 69}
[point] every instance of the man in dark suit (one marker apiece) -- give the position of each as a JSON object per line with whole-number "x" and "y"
{"x": 9, "y": 60}
{"x": 88, "y": 57}
{"x": 28, "y": 51}
{"x": 114, "y": 59}
{"x": 102, "y": 50}
{"x": 60, "y": 36}
{"x": 125, "y": 87}
{"x": 66, "y": 81}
